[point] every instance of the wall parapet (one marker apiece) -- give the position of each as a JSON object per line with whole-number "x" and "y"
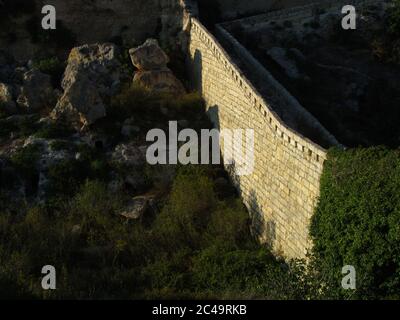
{"x": 293, "y": 110}
{"x": 314, "y": 151}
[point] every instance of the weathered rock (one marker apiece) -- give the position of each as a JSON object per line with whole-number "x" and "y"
{"x": 76, "y": 230}
{"x": 136, "y": 208}
{"x": 92, "y": 75}
{"x": 81, "y": 103}
{"x": 149, "y": 56}
{"x": 129, "y": 154}
{"x": 6, "y": 99}
{"x": 47, "y": 157}
{"x": 36, "y": 92}
{"x": 153, "y": 72}
{"x": 96, "y": 140}
{"x": 159, "y": 81}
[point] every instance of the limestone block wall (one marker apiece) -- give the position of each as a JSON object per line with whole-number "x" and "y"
{"x": 283, "y": 189}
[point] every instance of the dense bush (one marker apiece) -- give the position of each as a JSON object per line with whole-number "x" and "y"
{"x": 386, "y": 45}
{"x": 132, "y": 100}
{"x": 197, "y": 247}
{"x": 23, "y": 127}
{"x": 54, "y": 130}
{"x": 357, "y": 222}
{"x": 25, "y": 162}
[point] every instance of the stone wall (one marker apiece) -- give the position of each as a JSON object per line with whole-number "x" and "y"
{"x": 280, "y": 100}
{"x": 282, "y": 191}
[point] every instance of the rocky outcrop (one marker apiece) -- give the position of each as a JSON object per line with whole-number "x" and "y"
{"x": 45, "y": 157}
{"x": 136, "y": 208}
{"x": 7, "y": 105}
{"x": 129, "y": 154}
{"x": 149, "y": 56}
{"x": 153, "y": 72}
{"x": 129, "y": 22}
{"x": 91, "y": 77}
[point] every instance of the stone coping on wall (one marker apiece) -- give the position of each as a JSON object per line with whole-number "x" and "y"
{"x": 287, "y": 105}
{"x": 313, "y": 151}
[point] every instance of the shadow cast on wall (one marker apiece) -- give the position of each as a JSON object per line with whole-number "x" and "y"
{"x": 264, "y": 230}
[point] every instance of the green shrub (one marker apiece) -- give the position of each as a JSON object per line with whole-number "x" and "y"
{"x": 187, "y": 105}
{"x": 19, "y": 127}
{"x": 59, "y": 145}
{"x": 25, "y": 161}
{"x": 140, "y": 103}
{"x": 357, "y": 222}
{"x": 187, "y": 213}
{"x": 198, "y": 247}
{"x": 386, "y": 45}
{"x": 252, "y": 273}
{"x": 68, "y": 175}
{"x": 132, "y": 99}
{"x": 54, "y": 130}
{"x": 52, "y": 66}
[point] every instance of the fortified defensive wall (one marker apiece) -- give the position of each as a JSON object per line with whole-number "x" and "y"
{"x": 290, "y": 144}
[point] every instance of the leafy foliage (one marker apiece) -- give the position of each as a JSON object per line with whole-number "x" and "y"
{"x": 197, "y": 246}
{"x": 54, "y": 130}
{"x": 357, "y": 222}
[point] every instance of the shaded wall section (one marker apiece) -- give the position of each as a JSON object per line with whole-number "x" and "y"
{"x": 283, "y": 190}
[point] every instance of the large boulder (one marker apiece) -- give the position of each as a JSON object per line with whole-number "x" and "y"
{"x": 149, "y": 56}
{"x": 153, "y": 73}
{"x": 135, "y": 208}
{"x": 91, "y": 77}
{"x": 160, "y": 81}
{"x": 37, "y": 92}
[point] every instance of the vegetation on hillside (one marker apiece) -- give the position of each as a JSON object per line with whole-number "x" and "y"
{"x": 386, "y": 45}
{"x": 194, "y": 243}
{"x": 198, "y": 246}
{"x": 357, "y": 222}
